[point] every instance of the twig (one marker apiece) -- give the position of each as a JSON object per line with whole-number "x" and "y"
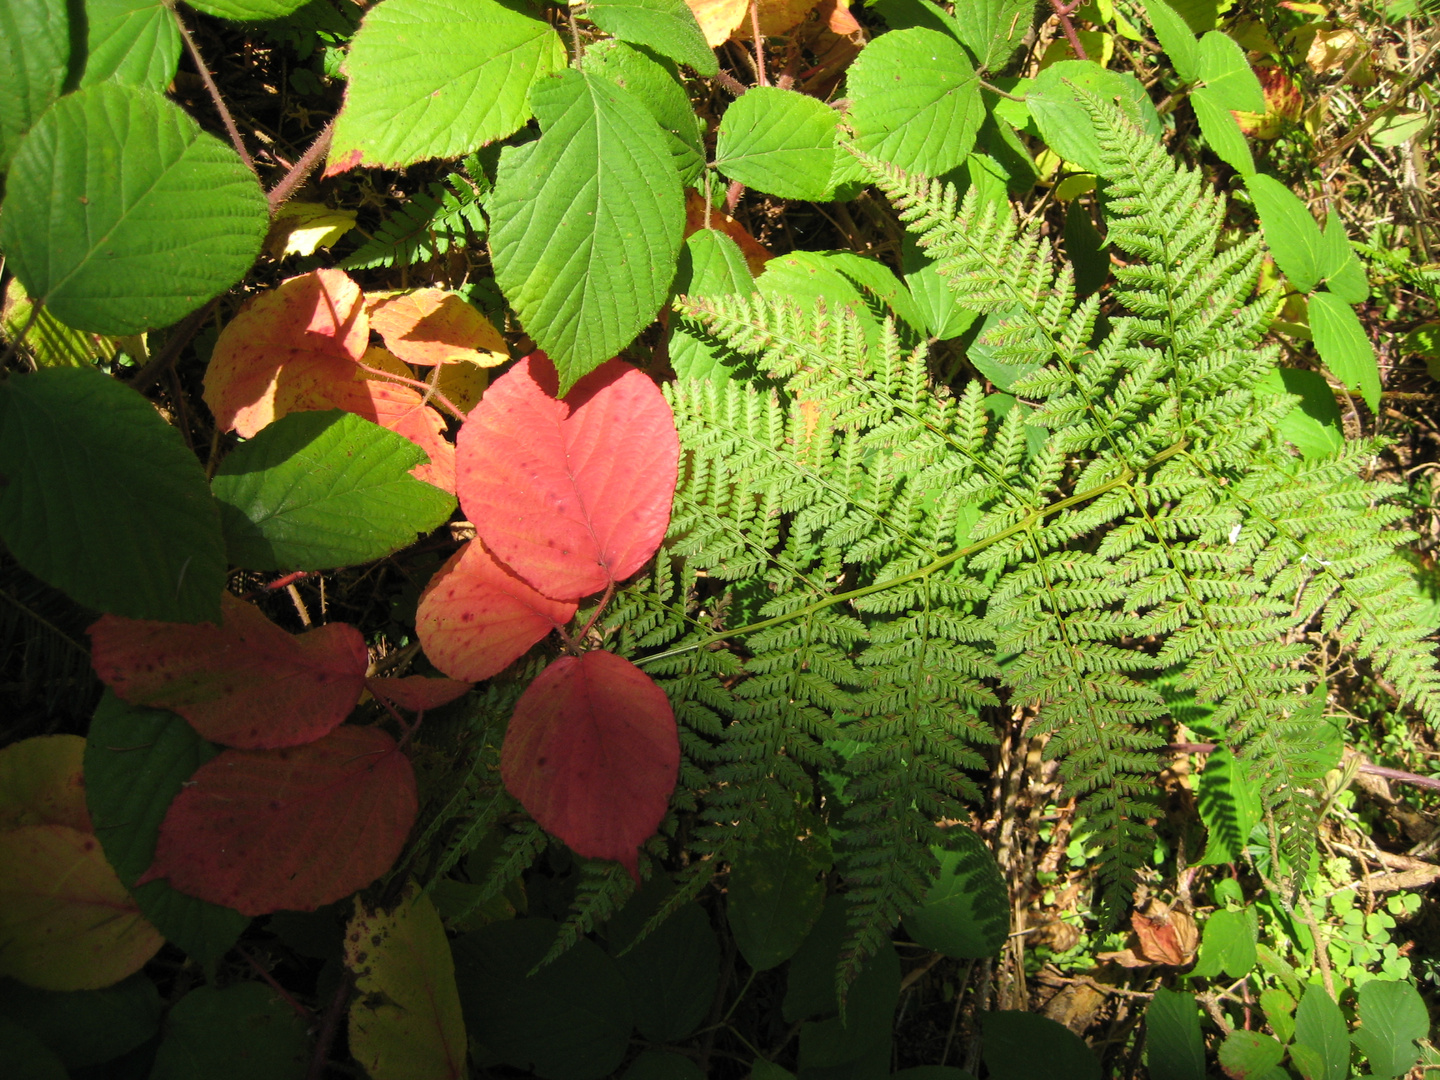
{"x": 1431, "y": 782}
{"x": 302, "y": 168}
{"x": 997, "y": 91}
{"x": 285, "y": 995}
{"x": 214, "y": 91}
{"x": 330, "y": 1027}
{"x": 759, "y": 43}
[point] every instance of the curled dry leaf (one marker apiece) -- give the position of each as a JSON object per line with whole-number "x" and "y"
{"x": 573, "y": 495}
{"x": 593, "y": 754}
{"x": 1161, "y": 935}
{"x": 432, "y": 326}
{"x": 476, "y": 617}
{"x": 245, "y": 683}
{"x": 265, "y": 830}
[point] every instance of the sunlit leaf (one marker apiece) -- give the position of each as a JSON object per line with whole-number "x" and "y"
{"x": 42, "y": 782}
{"x": 1344, "y": 346}
{"x": 405, "y": 1021}
{"x": 301, "y": 227}
{"x": 34, "y": 57}
{"x": 432, "y": 326}
{"x": 476, "y": 617}
{"x": 1392, "y": 1017}
{"x": 593, "y": 753}
{"x": 667, "y": 26}
{"x": 1290, "y": 232}
{"x": 135, "y": 42}
{"x": 571, "y": 494}
{"x": 245, "y": 683}
{"x": 1062, "y": 119}
{"x": 261, "y": 830}
{"x": 66, "y": 922}
{"x": 781, "y": 142}
{"x": 655, "y": 83}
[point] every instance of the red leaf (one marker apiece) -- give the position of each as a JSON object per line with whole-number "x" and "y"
{"x": 476, "y": 617}
{"x": 262, "y": 830}
{"x": 417, "y": 693}
{"x": 572, "y": 495}
{"x": 244, "y": 683}
{"x": 404, "y": 412}
{"x": 282, "y": 345}
{"x": 593, "y": 754}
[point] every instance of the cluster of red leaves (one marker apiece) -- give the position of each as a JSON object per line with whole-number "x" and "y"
{"x": 306, "y": 346}
{"x": 299, "y": 811}
{"x": 568, "y": 497}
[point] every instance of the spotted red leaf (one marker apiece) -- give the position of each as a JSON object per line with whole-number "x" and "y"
{"x": 417, "y": 693}
{"x": 571, "y": 494}
{"x": 265, "y": 830}
{"x": 245, "y": 683}
{"x": 593, "y": 754}
{"x": 476, "y": 617}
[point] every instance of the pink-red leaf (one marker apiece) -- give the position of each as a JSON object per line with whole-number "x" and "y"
{"x": 476, "y": 618}
{"x": 572, "y": 495}
{"x": 265, "y": 830}
{"x": 245, "y": 683}
{"x": 417, "y": 693}
{"x": 593, "y": 754}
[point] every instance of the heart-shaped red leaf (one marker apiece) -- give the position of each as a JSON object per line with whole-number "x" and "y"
{"x": 265, "y": 830}
{"x": 572, "y": 495}
{"x": 245, "y": 683}
{"x": 417, "y": 693}
{"x": 476, "y": 618}
{"x": 593, "y": 754}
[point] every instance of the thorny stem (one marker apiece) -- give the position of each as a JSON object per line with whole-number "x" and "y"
{"x": 599, "y": 610}
{"x": 1025, "y": 523}
{"x": 330, "y": 1026}
{"x": 214, "y": 91}
{"x": 1063, "y": 11}
{"x": 759, "y": 43}
{"x": 302, "y": 168}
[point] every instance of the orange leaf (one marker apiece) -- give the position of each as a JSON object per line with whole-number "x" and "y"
{"x": 571, "y": 495}
{"x": 416, "y": 693}
{"x": 432, "y": 326}
{"x": 476, "y": 617}
{"x": 404, "y": 412}
{"x": 776, "y": 17}
{"x": 262, "y": 830}
{"x": 281, "y": 345}
{"x": 718, "y": 19}
{"x": 66, "y": 922}
{"x": 756, "y": 254}
{"x": 42, "y": 782}
{"x": 244, "y": 683}
{"x": 593, "y": 754}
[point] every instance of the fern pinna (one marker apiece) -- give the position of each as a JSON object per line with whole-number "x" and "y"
{"x": 885, "y": 558}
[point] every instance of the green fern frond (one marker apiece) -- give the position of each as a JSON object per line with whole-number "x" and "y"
{"x": 427, "y": 226}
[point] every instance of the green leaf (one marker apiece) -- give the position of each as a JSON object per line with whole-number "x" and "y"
{"x": 1228, "y": 943}
{"x": 100, "y": 498}
{"x": 1314, "y": 426}
{"x": 663, "y": 1065}
{"x": 656, "y": 85}
{"x": 26, "y": 1057}
{"x": 1222, "y": 131}
{"x": 1392, "y": 1017}
{"x": 1320, "y": 1026}
{"x": 1199, "y": 15}
{"x": 49, "y": 341}
{"x": 915, "y": 101}
{"x": 34, "y": 64}
{"x": 993, "y": 29}
{"x": 136, "y": 762}
{"x": 1086, "y": 249}
{"x": 989, "y": 358}
{"x": 319, "y": 490}
{"x": 1229, "y": 804}
{"x": 1343, "y": 345}
{"x": 1227, "y": 74}
{"x": 135, "y": 42}
{"x": 881, "y": 288}
{"x": 667, "y": 26}
{"x": 1063, "y": 121}
{"x": 711, "y": 265}
{"x": 1175, "y": 38}
{"x": 781, "y": 142}
{"x": 809, "y": 277}
{"x": 122, "y": 215}
{"x": 1279, "y": 1009}
{"x": 86, "y": 1027}
{"x": 248, "y": 10}
{"x": 570, "y": 1020}
{"x": 1344, "y": 276}
{"x": 586, "y": 273}
{"x": 1290, "y": 232}
{"x": 438, "y": 79}
{"x": 934, "y": 299}
{"x": 775, "y": 894}
{"x": 672, "y": 974}
{"x": 966, "y": 911}
{"x": 1249, "y": 1055}
{"x": 243, "y": 1032}
{"x": 1174, "y": 1049}
{"x": 1023, "y": 1046}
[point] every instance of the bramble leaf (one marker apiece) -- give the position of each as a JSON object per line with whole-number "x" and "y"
{"x": 416, "y": 693}
{"x": 135, "y": 42}
{"x": 476, "y": 617}
{"x": 34, "y": 57}
{"x": 593, "y": 753}
{"x": 245, "y": 683}
{"x": 238, "y": 1032}
{"x": 262, "y": 830}
{"x": 667, "y": 26}
{"x": 571, "y": 494}
{"x": 781, "y": 142}
{"x": 1055, "y": 103}
{"x": 42, "y": 782}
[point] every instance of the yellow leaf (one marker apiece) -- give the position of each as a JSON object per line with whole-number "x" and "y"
{"x": 42, "y": 782}
{"x": 405, "y": 1020}
{"x": 51, "y": 342}
{"x": 66, "y": 922}
{"x": 432, "y": 326}
{"x": 1098, "y": 46}
{"x": 301, "y": 227}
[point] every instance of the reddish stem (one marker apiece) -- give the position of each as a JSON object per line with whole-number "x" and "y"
{"x": 300, "y": 1010}
{"x": 214, "y": 91}
{"x": 302, "y": 168}
{"x": 1063, "y": 11}
{"x": 330, "y": 1026}
{"x": 759, "y": 43}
